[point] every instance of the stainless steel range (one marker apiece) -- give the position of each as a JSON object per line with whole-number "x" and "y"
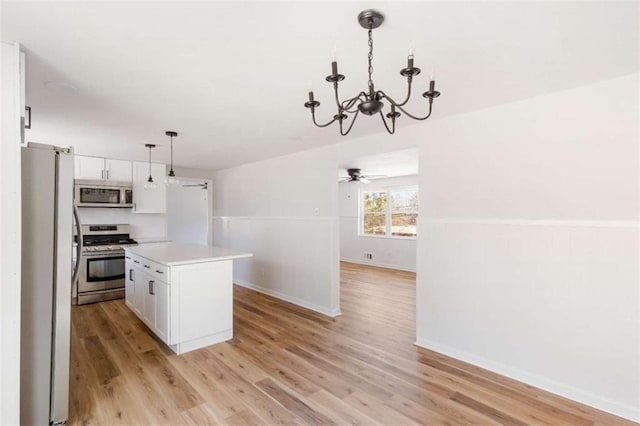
{"x": 101, "y": 269}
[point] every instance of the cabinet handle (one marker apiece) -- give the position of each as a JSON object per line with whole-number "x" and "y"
{"x": 128, "y": 257}
{"x": 107, "y": 174}
{"x": 136, "y": 261}
{"x": 134, "y": 207}
{"x": 151, "y": 290}
{"x": 102, "y": 174}
{"x": 147, "y": 266}
{"x": 160, "y": 272}
{"x": 131, "y": 275}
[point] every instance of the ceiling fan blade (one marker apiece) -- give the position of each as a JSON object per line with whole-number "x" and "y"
{"x": 364, "y": 180}
{"x": 374, "y": 176}
{"x": 343, "y": 179}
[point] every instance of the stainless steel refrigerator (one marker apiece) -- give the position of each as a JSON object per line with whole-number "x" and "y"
{"x": 47, "y": 220}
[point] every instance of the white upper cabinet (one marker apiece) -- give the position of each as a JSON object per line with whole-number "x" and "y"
{"x": 89, "y": 168}
{"x": 118, "y": 170}
{"x": 149, "y": 200}
{"x": 106, "y": 169}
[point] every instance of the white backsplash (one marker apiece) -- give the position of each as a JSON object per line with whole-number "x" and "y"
{"x": 143, "y": 226}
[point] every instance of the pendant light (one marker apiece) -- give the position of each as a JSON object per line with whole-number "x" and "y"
{"x": 171, "y": 177}
{"x": 150, "y": 184}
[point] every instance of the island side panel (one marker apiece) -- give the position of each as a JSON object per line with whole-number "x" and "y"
{"x": 201, "y": 302}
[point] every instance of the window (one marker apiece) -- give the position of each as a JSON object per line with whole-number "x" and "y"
{"x": 389, "y": 212}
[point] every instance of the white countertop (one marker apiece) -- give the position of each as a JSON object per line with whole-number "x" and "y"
{"x": 172, "y": 254}
{"x": 152, "y": 240}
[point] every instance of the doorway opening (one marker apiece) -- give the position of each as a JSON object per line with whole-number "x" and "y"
{"x": 189, "y": 211}
{"x": 378, "y": 214}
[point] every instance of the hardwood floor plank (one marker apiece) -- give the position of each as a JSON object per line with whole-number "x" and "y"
{"x": 257, "y": 401}
{"x": 501, "y": 417}
{"x": 103, "y": 366}
{"x": 130, "y": 327}
{"x": 289, "y": 365}
{"x": 238, "y": 362}
{"x": 343, "y": 412}
{"x": 293, "y": 404}
{"x": 375, "y": 407}
{"x": 201, "y": 415}
{"x": 172, "y": 383}
{"x": 356, "y": 380}
{"x": 215, "y": 394}
{"x": 244, "y": 418}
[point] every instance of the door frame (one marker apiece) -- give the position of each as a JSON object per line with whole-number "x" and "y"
{"x": 209, "y": 183}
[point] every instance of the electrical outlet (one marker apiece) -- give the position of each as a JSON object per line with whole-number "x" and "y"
{"x": 368, "y": 256}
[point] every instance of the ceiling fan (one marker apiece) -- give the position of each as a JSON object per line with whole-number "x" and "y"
{"x": 355, "y": 175}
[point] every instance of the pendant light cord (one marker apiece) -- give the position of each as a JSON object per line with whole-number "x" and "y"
{"x": 171, "y": 152}
{"x": 150, "y": 178}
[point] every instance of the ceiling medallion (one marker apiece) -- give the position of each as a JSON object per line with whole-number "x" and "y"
{"x": 371, "y": 101}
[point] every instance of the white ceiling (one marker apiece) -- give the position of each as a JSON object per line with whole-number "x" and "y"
{"x": 388, "y": 164}
{"x": 232, "y": 77}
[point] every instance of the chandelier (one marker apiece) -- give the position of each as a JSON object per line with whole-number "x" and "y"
{"x": 371, "y": 102}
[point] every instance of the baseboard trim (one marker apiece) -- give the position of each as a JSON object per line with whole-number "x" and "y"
{"x": 287, "y": 298}
{"x": 532, "y": 222}
{"x": 379, "y": 265}
{"x": 570, "y": 392}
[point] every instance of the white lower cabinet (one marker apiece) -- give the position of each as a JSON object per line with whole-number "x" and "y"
{"x": 129, "y": 282}
{"x": 147, "y": 296}
{"x": 149, "y": 310}
{"x": 161, "y": 328}
{"x": 186, "y": 306}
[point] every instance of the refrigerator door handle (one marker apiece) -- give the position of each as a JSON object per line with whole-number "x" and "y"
{"x": 76, "y": 214}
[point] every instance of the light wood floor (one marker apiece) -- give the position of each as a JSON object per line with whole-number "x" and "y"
{"x": 289, "y": 365}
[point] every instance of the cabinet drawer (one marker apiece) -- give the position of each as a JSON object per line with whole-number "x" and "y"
{"x": 134, "y": 259}
{"x": 156, "y": 270}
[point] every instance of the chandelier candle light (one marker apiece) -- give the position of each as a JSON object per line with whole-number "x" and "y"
{"x": 370, "y": 102}
{"x": 150, "y": 184}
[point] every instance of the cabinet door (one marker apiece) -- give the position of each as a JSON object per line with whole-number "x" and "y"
{"x": 149, "y": 200}
{"x": 149, "y": 314}
{"x": 118, "y": 170}
{"x": 129, "y": 284}
{"x": 89, "y": 168}
{"x": 161, "y": 290}
{"x": 139, "y": 290}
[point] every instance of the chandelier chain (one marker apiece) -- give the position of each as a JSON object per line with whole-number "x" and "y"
{"x": 370, "y": 56}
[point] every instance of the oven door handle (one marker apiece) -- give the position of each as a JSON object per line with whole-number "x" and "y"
{"x": 76, "y": 270}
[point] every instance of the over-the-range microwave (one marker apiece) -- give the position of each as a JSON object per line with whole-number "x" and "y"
{"x": 97, "y": 193}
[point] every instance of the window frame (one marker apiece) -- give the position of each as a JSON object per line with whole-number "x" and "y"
{"x": 388, "y": 212}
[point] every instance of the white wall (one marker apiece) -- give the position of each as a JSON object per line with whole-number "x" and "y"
{"x": 289, "y": 224}
{"x": 10, "y": 230}
{"x": 528, "y": 250}
{"x": 142, "y": 226}
{"x": 397, "y": 253}
{"x": 528, "y": 243}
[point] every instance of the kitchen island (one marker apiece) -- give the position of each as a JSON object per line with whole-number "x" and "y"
{"x": 182, "y": 292}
